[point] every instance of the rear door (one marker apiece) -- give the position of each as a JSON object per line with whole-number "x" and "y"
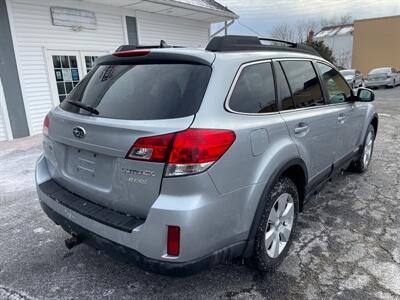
{"x": 87, "y": 152}
{"x": 310, "y": 123}
{"x": 349, "y": 116}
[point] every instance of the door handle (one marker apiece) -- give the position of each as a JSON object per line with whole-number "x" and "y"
{"x": 302, "y": 128}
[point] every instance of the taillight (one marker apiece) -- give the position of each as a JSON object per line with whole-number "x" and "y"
{"x": 173, "y": 240}
{"x": 188, "y": 152}
{"x": 130, "y": 53}
{"x": 46, "y": 124}
{"x": 195, "y": 150}
{"x": 152, "y": 148}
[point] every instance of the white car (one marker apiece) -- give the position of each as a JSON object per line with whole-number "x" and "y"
{"x": 388, "y": 77}
{"x": 353, "y": 77}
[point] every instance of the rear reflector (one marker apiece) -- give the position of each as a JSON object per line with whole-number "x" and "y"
{"x": 46, "y": 124}
{"x": 130, "y": 53}
{"x": 188, "y": 152}
{"x": 173, "y": 240}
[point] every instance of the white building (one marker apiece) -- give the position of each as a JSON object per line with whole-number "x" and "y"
{"x": 47, "y": 46}
{"x": 340, "y": 40}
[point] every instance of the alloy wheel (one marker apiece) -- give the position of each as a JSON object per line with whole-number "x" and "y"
{"x": 279, "y": 225}
{"x": 367, "y": 153}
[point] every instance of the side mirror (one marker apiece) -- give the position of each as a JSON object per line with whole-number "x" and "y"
{"x": 365, "y": 95}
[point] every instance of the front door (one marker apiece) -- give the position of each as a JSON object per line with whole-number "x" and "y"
{"x": 66, "y": 69}
{"x": 349, "y": 118}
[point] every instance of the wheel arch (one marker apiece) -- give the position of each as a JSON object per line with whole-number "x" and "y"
{"x": 294, "y": 169}
{"x": 374, "y": 122}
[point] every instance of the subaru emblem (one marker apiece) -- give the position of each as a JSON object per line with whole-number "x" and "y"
{"x": 79, "y": 132}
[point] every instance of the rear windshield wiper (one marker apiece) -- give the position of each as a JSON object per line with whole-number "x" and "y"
{"x": 90, "y": 109}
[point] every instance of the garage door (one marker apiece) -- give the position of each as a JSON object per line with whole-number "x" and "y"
{"x": 5, "y": 132}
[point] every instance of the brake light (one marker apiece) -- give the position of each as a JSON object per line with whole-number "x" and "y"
{"x": 153, "y": 148}
{"x": 188, "y": 152}
{"x": 46, "y": 124}
{"x": 173, "y": 240}
{"x": 130, "y": 53}
{"x": 195, "y": 150}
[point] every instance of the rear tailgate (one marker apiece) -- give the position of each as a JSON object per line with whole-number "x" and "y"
{"x": 95, "y": 167}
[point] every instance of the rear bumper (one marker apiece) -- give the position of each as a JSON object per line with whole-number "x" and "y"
{"x": 209, "y": 234}
{"x": 146, "y": 263}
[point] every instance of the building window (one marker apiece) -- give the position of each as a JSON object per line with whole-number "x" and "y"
{"x": 66, "y": 73}
{"x": 90, "y": 62}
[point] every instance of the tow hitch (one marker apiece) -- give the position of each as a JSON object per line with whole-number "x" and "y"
{"x": 72, "y": 242}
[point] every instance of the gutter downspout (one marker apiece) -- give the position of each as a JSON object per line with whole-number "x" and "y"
{"x": 225, "y": 28}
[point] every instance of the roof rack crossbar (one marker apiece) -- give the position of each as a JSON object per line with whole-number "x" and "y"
{"x": 253, "y": 43}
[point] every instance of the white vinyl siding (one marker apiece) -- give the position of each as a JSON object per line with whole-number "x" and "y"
{"x": 175, "y": 31}
{"x": 34, "y": 34}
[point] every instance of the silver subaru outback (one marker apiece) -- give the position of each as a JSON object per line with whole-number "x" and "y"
{"x": 179, "y": 159}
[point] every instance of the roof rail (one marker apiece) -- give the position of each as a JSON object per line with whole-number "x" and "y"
{"x": 253, "y": 43}
{"x": 162, "y": 44}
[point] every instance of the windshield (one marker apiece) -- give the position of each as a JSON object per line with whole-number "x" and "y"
{"x": 347, "y": 72}
{"x": 141, "y": 92}
{"x": 380, "y": 71}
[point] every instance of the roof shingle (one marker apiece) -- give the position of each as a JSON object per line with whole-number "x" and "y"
{"x": 209, "y": 4}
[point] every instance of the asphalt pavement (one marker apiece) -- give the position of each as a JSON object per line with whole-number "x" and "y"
{"x": 347, "y": 245}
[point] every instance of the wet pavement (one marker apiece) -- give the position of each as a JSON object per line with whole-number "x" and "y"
{"x": 347, "y": 244}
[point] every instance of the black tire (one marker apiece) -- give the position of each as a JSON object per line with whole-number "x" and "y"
{"x": 359, "y": 166}
{"x": 262, "y": 261}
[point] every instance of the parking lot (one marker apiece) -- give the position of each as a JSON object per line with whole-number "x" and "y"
{"x": 347, "y": 245}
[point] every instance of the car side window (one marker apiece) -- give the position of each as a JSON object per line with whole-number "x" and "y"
{"x": 254, "y": 91}
{"x": 338, "y": 89}
{"x": 285, "y": 96}
{"x": 304, "y": 83}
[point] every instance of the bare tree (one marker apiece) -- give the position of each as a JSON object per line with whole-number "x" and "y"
{"x": 284, "y": 32}
{"x": 303, "y": 28}
{"x": 344, "y": 19}
{"x": 298, "y": 32}
{"x": 343, "y": 59}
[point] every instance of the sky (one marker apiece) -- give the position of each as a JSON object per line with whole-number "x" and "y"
{"x": 262, "y": 15}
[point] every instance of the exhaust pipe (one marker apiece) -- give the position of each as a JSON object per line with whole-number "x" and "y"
{"x": 72, "y": 242}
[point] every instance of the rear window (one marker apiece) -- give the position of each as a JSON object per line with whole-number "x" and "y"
{"x": 142, "y": 92}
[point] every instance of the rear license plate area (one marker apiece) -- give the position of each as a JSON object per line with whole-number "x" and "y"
{"x": 81, "y": 163}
